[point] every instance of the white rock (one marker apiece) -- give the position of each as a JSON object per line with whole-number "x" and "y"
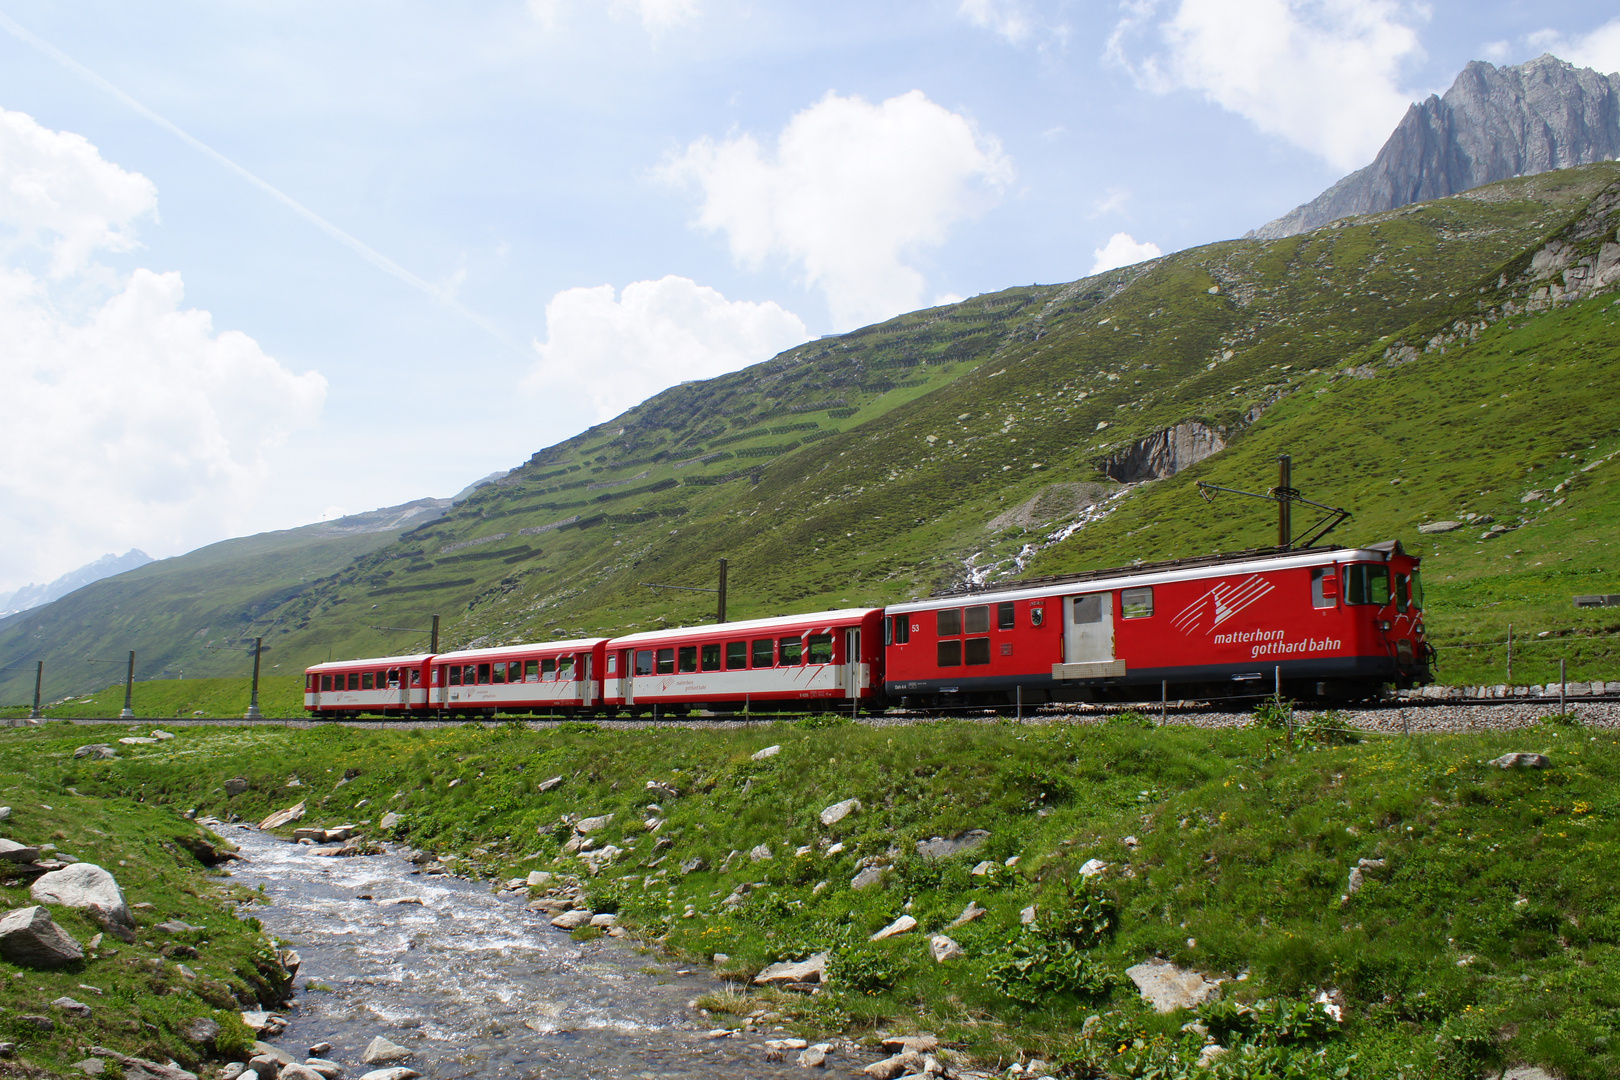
{"x": 604, "y": 920}
{"x": 549, "y": 785}
{"x": 12, "y": 851}
{"x": 295, "y": 1071}
{"x": 383, "y": 1052}
{"x": 1522, "y": 761}
{"x": 159, "y": 733}
{"x": 29, "y": 937}
{"x": 969, "y": 913}
{"x": 943, "y": 948}
{"x": 981, "y": 869}
{"x": 137, "y": 740}
{"x": 762, "y": 853}
{"x": 838, "y": 811}
{"x": 329, "y": 1069}
{"x": 1093, "y": 867}
{"x": 868, "y": 877}
{"x": 398, "y": 1072}
{"x": 593, "y": 824}
{"x": 283, "y": 817}
{"x": 786, "y": 1044}
{"x": 813, "y": 1058}
{"x": 903, "y": 925}
{"x": 573, "y": 920}
{"x": 1027, "y": 916}
{"x": 769, "y": 751}
{"x": 538, "y": 878}
{"x": 1168, "y": 988}
{"x": 810, "y": 970}
{"x": 86, "y": 886}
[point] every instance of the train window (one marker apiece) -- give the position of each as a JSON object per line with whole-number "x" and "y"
{"x": 1403, "y": 594}
{"x": 1417, "y": 590}
{"x": 565, "y": 668}
{"x": 1088, "y": 608}
{"x": 821, "y": 649}
{"x": 531, "y": 671}
{"x": 1136, "y": 603}
{"x": 393, "y": 678}
{"x": 326, "y": 683}
{"x": 948, "y": 623}
{"x": 976, "y": 650}
{"x": 711, "y": 657}
{"x": 666, "y": 661}
{"x": 896, "y": 629}
{"x": 950, "y": 653}
{"x": 686, "y": 658}
{"x": 764, "y": 652}
{"x": 613, "y": 663}
{"x": 1366, "y": 583}
{"x": 354, "y": 680}
{"x": 976, "y": 620}
{"x": 789, "y": 650}
{"x": 387, "y": 678}
{"x": 644, "y": 662}
{"x": 483, "y": 674}
{"x": 1037, "y": 616}
{"x": 736, "y": 655}
{"x": 1325, "y": 587}
{"x": 498, "y": 675}
{"x": 416, "y": 677}
{"x": 365, "y": 681}
{"x": 548, "y": 669}
{"x": 1004, "y": 616}
{"x": 453, "y": 673}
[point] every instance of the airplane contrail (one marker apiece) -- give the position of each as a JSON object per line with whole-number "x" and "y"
{"x": 353, "y": 243}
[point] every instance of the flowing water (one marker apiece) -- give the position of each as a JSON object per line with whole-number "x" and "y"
{"x": 475, "y": 984}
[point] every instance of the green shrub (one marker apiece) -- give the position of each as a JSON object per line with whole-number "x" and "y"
{"x": 1268, "y": 1022}
{"x": 1031, "y": 968}
{"x": 865, "y": 969}
{"x": 1274, "y": 714}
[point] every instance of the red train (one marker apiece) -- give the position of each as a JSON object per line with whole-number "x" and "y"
{"x": 1323, "y": 623}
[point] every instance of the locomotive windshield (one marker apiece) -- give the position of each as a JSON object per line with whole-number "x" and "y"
{"x": 1366, "y": 583}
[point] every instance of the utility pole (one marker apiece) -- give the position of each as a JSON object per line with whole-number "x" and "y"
{"x": 129, "y": 690}
{"x": 720, "y": 612}
{"x": 433, "y": 644}
{"x": 253, "y": 702}
{"x": 39, "y": 677}
{"x": 1285, "y": 488}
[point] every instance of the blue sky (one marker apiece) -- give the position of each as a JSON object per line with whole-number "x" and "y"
{"x": 521, "y": 217}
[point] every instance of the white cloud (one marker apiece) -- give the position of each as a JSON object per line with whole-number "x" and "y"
{"x": 130, "y": 421}
{"x": 849, "y": 194}
{"x": 1004, "y": 18}
{"x": 1600, "y": 49}
{"x": 1323, "y": 74}
{"x": 657, "y": 15}
{"x": 1123, "y": 249}
{"x": 57, "y": 191}
{"x": 614, "y": 352}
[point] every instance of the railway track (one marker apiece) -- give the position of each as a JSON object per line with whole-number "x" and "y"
{"x": 1396, "y": 716}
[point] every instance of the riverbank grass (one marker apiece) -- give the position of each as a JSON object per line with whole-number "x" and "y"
{"x": 1480, "y": 929}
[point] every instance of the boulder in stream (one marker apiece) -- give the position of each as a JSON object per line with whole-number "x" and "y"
{"x": 383, "y": 1052}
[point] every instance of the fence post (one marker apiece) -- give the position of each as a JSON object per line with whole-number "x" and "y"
{"x": 1510, "y": 659}
{"x": 1164, "y": 699}
{"x": 1563, "y": 684}
{"x": 1019, "y": 715}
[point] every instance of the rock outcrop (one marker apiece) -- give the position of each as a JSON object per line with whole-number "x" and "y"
{"x": 1164, "y": 453}
{"x": 1493, "y": 124}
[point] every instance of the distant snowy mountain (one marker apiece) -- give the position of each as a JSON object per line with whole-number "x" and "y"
{"x": 32, "y": 596}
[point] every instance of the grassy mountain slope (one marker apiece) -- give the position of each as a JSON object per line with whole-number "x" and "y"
{"x": 866, "y": 467}
{"x": 1251, "y": 338}
{"x": 197, "y": 613}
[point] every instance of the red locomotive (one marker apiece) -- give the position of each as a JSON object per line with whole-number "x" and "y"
{"x": 1322, "y": 623}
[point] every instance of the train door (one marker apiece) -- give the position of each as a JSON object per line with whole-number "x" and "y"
{"x": 852, "y": 662}
{"x": 1088, "y": 638}
{"x": 402, "y": 678}
{"x": 587, "y": 672}
{"x": 627, "y": 677}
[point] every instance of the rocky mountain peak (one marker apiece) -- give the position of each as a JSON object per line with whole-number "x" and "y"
{"x": 1494, "y": 123}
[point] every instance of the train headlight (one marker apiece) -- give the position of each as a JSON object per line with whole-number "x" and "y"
{"x": 1418, "y": 629}
{"x": 1384, "y": 624}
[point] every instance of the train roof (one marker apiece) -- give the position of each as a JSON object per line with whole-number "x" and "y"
{"x": 369, "y": 661}
{"x": 573, "y": 645}
{"x": 779, "y": 622}
{"x": 1141, "y": 574}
